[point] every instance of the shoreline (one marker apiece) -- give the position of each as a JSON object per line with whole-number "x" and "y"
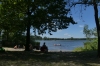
{"x": 21, "y": 49}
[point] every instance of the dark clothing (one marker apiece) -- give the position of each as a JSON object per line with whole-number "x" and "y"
{"x": 44, "y": 48}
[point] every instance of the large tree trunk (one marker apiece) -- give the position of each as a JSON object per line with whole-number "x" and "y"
{"x": 27, "y": 38}
{"x": 28, "y": 32}
{"x": 97, "y": 25}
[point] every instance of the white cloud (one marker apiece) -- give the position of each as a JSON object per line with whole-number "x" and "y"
{"x": 66, "y": 34}
{"x": 81, "y": 25}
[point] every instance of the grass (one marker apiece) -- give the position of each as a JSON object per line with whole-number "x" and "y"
{"x": 23, "y": 58}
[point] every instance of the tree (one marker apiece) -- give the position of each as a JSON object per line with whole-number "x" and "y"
{"x": 42, "y": 15}
{"x": 90, "y": 33}
{"x": 10, "y": 18}
{"x": 51, "y": 17}
{"x": 71, "y": 38}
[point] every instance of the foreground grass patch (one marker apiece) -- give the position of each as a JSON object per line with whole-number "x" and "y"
{"x": 49, "y": 59}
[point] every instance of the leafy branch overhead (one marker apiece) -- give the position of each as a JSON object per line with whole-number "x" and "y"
{"x": 45, "y": 15}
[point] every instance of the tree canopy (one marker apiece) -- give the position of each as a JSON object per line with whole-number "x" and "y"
{"x": 47, "y": 15}
{"x": 44, "y": 15}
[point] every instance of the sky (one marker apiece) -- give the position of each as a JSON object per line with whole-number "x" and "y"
{"x": 76, "y": 31}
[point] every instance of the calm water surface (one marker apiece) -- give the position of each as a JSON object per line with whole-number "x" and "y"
{"x": 66, "y": 45}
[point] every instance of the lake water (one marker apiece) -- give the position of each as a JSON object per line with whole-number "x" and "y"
{"x": 66, "y": 45}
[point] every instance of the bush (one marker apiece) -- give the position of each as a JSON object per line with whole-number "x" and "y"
{"x": 92, "y": 45}
{"x": 36, "y": 45}
{"x": 88, "y": 46}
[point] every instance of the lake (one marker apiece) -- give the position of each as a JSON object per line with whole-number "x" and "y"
{"x": 66, "y": 45}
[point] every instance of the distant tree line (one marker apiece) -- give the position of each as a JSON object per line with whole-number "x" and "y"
{"x": 47, "y": 38}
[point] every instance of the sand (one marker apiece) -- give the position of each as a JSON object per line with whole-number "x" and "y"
{"x": 12, "y": 49}
{"x": 21, "y": 49}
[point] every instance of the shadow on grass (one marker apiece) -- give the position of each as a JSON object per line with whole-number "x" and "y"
{"x": 83, "y": 58}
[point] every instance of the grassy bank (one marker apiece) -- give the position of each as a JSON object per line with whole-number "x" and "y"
{"x": 23, "y": 58}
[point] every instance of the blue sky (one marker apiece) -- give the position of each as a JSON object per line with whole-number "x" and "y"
{"x": 76, "y": 30}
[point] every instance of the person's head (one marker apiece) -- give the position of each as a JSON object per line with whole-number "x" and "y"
{"x": 44, "y": 43}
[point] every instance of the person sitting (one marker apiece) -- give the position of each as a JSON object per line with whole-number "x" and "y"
{"x": 15, "y": 47}
{"x": 44, "y": 48}
{"x": 30, "y": 47}
{"x": 23, "y": 47}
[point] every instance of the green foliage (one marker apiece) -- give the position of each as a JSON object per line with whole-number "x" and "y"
{"x": 37, "y": 43}
{"x": 88, "y": 46}
{"x": 2, "y": 49}
{"x": 91, "y": 44}
{"x": 44, "y": 15}
{"x": 33, "y": 42}
{"x": 78, "y": 49}
{"x": 88, "y": 32}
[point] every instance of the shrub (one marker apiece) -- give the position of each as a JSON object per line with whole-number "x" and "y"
{"x": 36, "y": 45}
{"x": 88, "y": 46}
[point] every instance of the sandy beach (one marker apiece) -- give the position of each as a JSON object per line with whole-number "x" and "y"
{"x": 12, "y": 49}
{"x": 21, "y": 49}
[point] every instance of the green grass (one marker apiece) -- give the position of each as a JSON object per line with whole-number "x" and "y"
{"x": 49, "y": 59}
